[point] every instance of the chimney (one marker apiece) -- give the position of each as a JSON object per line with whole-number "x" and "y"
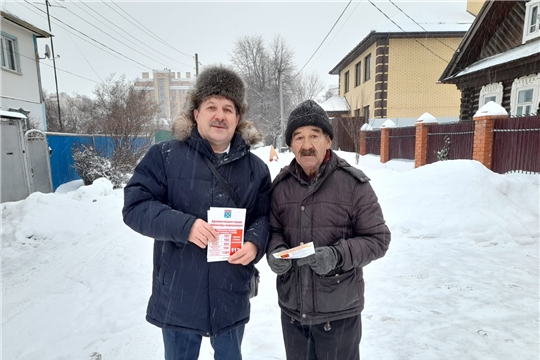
{"x": 188, "y": 75}
{"x": 145, "y": 75}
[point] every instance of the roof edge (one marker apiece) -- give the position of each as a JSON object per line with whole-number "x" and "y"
{"x": 18, "y": 21}
{"x": 374, "y": 35}
{"x": 464, "y": 44}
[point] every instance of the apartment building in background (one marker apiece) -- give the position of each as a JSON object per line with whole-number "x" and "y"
{"x": 169, "y": 90}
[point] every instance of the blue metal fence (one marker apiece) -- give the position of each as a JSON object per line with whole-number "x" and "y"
{"x": 62, "y": 159}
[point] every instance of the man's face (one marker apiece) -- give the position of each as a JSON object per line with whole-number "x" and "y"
{"x": 216, "y": 120}
{"x": 309, "y": 145}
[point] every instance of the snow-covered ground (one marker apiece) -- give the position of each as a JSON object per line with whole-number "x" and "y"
{"x": 460, "y": 280}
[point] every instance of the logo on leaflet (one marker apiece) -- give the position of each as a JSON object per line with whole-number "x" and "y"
{"x": 227, "y": 214}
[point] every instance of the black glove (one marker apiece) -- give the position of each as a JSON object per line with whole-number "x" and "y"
{"x": 279, "y": 266}
{"x": 323, "y": 261}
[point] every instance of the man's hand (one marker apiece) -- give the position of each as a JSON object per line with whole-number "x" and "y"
{"x": 201, "y": 233}
{"x": 323, "y": 261}
{"x": 279, "y": 266}
{"x": 246, "y": 254}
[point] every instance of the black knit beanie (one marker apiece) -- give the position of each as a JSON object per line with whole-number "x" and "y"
{"x": 220, "y": 81}
{"x": 308, "y": 113}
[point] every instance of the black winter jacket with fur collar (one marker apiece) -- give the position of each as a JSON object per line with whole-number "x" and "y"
{"x": 170, "y": 188}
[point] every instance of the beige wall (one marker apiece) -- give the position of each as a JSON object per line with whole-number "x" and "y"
{"x": 474, "y": 6}
{"x": 413, "y": 72}
{"x": 412, "y": 75}
{"x": 364, "y": 94}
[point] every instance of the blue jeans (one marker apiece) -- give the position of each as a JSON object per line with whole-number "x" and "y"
{"x": 181, "y": 345}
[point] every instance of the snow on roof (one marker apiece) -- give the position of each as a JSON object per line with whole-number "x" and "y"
{"x": 423, "y": 27}
{"x": 526, "y": 50}
{"x": 12, "y": 114}
{"x": 431, "y": 17}
{"x": 25, "y": 24}
{"x": 336, "y": 103}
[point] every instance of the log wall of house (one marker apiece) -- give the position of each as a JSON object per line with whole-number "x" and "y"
{"x": 508, "y": 33}
{"x": 471, "y": 96}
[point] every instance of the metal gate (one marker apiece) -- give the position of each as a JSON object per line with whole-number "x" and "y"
{"x": 25, "y": 164}
{"x": 16, "y": 182}
{"x": 40, "y": 165}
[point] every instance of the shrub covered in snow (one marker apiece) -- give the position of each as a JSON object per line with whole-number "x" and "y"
{"x": 91, "y": 166}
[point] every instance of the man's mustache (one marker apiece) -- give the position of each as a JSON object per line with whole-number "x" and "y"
{"x": 308, "y": 152}
{"x": 222, "y": 124}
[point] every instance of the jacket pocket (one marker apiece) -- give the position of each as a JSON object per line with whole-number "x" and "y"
{"x": 167, "y": 251}
{"x": 339, "y": 292}
{"x": 287, "y": 292}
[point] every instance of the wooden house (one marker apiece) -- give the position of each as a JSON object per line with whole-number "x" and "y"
{"x": 499, "y": 59}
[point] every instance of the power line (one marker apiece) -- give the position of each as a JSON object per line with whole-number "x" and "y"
{"x": 337, "y": 33}
{"x": 69, "y": 72}
{"x": 139, "y": 43}
{"x": 129, "y": 47}
{"x": 57, "y": 68}
{"x": 88, "y": 62}
{"x": 150, "y": 31}
{"x": 91, "y": 38}
{"x": 349, "y": 3}
{"x": 421, "y": 26}
{"x": 428, "y": 49}
{"x": 83, "y": 39}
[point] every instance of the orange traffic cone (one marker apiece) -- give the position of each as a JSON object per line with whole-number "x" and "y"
{"x": 273, "y": 154}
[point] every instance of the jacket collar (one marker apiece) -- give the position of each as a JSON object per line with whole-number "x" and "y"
{"x": 238, "y": 147}
{"x": 334, "y": 162}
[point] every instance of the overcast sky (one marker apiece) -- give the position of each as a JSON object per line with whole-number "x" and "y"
{"x": 95, "y": 39}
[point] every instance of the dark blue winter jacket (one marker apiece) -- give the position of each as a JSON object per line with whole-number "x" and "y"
{"x": 171, "y": 187}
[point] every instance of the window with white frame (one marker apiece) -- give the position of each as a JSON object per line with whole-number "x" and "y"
{"x": 531, "y": 28}
{"x": 491, "y": 92}
{"x": 525, "y": 97}
{"x": 10, "y": 55}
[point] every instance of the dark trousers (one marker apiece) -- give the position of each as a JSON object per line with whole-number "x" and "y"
{"x": 313, "y": 342}
{"x": 180, "y": 345}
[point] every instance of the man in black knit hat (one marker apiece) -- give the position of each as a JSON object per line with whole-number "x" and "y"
{"x": 168, "y": 198}
{"x": 320, "y": 198}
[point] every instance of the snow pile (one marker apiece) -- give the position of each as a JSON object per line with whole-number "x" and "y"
{"x": 460, "y": 279}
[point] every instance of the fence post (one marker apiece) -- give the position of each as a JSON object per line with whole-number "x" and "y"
{"x": 420, "y": 145}
{"x": 385, "y": 148}
{"x": 363, "y": 150}
{"x": 483, "y": 137}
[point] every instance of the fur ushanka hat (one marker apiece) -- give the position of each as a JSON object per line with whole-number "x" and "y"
{"x": 221, "y": 81}
{"x": 308, "y": 113}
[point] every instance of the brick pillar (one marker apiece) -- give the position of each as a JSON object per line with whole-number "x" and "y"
{"x": 362, "y": 149}
{"x": 420, "y": 146}
{"x": 385, "y": 142}
{"x": 483, "y": 138}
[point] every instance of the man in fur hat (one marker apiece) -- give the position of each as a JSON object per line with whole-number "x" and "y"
{"x": 167, "y": 199}
{"x": 320, "y": 198}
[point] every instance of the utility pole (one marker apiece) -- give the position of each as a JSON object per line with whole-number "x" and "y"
{"x": 47, "y": 4}
{"x": 281, "y": 112}
{"x": 197, "y": 64}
